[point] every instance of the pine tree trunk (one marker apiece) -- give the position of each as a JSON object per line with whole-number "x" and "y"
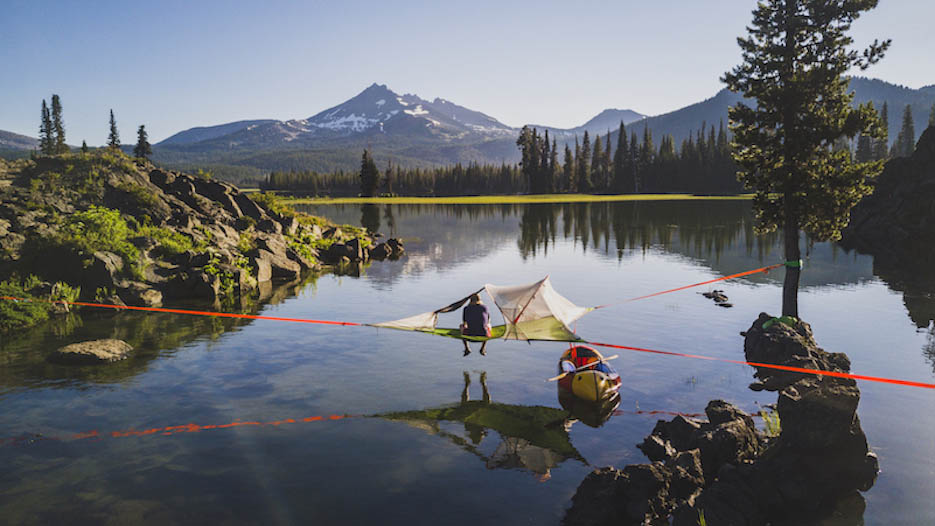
{"x": 790, "y": 286}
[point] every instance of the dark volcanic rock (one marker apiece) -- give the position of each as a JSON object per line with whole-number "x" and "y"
{"x": 726, "y": 470}
{"x": 898, "y": 219}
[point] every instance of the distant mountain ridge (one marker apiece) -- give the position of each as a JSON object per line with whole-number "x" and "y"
{"x": 15, "y": 141}
{"x": 412, "y": 131}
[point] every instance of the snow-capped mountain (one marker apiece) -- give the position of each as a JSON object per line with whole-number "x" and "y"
{"x": 376, "y": 110}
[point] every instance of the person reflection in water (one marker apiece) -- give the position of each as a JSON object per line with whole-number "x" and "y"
{"x": 476, "y": 322}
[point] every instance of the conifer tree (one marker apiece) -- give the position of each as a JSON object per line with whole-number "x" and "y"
{"x": 932, "y": 116}
{"x": 143, "y": 148}
{"x": 794, "y": 61}
{"x": 46, "y": 141}
{"x": 906, "y": 139}
{"x": 568, "y": 170}
{"x": 584, "y": 165}
{"x": 597, "y": 167}
{"x": 632, "y": 162}
{"x": 620, "y": 162}
{"x": 881, "y": 142}
{"x": 113, "y": 138}
{"x": 554, "y": 168}
{"x": 606, "y": 165}
{"x": 388, "y": 178}
{"x": 58, "y": 127}
{"x": 369, "y": 175}
{"x": 576, "y": 187}
{"x": 645, "y": 160}
{"x": 864, "y": 152}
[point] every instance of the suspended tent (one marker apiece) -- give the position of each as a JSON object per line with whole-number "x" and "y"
{"x": 530, "y": 312}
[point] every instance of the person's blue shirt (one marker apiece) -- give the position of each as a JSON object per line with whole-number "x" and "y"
{"x": 476, "y": 318}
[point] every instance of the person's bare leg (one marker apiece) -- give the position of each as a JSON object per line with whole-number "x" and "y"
{"x": 467, "y": 350}
{"x": 483, "y": 348}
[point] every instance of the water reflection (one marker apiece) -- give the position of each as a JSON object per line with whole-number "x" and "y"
{"x": 24, "y": 355}
{"x": 717, "y": 234}
{"x": 529, "y": 438}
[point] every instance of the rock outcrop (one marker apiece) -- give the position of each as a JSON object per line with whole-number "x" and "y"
{"x": 899, "y": 217}
{"x": 730, "y": 473}
{"x": 92, "y": 352}
{"x": 195, "y": 237}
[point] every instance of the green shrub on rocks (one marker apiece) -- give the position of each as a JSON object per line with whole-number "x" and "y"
{"x": 21, "y": 314}
{"x": 101, "y": 229}
{"x": 169, "y": 242}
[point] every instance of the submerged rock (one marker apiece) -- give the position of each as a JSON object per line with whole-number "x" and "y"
{"x": 92, "y": 352}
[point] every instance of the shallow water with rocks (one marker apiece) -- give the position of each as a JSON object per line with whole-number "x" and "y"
{"x": 431, "y": 436}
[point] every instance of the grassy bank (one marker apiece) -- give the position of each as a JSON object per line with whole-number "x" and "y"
{"x": 507, "y": 199}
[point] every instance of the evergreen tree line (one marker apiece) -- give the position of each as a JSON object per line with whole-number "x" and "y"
{"x": 702, "y": 163}
{"x": 52, "y": 133}
{"x": 870, "y": 149}
{"x": 458, "y": 179}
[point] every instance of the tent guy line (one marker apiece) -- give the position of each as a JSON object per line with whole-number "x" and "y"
{"x": 532, "y": 312}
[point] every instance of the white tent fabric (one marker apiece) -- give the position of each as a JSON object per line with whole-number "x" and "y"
{"x": 420, "y": 322}
{"x": 536, "y": 311}
{"x": 531, "y": 312}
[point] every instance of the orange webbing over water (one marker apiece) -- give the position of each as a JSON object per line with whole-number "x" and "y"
{"x": 715, "y": 280}
{"x": 818, "y": 372}
{"x": 624, "y": 347}
{"x": 168, "y": 430}
{"x": 183, "y": 311}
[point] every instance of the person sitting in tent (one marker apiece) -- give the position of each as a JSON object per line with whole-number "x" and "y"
{"x": 476, "y": 322}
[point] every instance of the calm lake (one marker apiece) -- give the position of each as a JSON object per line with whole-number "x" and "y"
{"x": 392, "y": 460}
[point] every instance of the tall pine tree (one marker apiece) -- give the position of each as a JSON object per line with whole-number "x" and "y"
{"x": 46, "y": 139}
{"x": 113, "y": 138}
{"x": 597, "y": 168}
{"x": 794, "y": 61}
{"x": 881, "y": 142}
{"x": 620, "y": 178}
{"x": 568, "y": 171}
{"x": 584, "y": 166}
{"x": 369, "y": 175}
{"x": 906, "y": 139}
{"x": 58, "y": 127}
{"x": 142, "y": 149}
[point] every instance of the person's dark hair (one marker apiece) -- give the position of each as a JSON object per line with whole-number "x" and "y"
{"x": 475, "y": 298}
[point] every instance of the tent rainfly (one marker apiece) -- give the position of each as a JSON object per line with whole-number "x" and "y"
{"x": 530, "y": 312}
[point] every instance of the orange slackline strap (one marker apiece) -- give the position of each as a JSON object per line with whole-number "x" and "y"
{"x": 818, "y": 372}
{"x": 624, "y": 347}
{"x": 723, "y": 278}
{"x": 183, "y": 311}
{"x": 168, "y": 430}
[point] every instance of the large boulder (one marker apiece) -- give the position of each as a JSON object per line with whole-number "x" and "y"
{"x": 281, "y": 267}
{"x": 140, "y": 294}
{"x": 92, "y": 352}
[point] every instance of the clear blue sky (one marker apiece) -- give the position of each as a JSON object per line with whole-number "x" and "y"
{"x": 172, "y": 65}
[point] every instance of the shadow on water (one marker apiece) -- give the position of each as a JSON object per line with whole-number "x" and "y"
{"x": 24, "y": 356}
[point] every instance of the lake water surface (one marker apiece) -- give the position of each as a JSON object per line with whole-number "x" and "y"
{"x": 392, "y": 460}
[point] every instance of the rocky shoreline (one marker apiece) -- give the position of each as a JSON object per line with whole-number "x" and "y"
{"x": 123, "y": 231}
{"x": 725, "y": 471}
